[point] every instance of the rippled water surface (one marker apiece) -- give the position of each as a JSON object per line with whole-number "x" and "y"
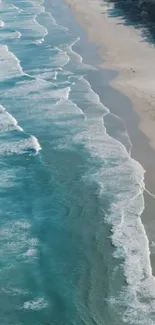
{"x": 73, "y": 249}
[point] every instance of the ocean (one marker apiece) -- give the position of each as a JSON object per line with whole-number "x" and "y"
{"x": 73, "y": 249}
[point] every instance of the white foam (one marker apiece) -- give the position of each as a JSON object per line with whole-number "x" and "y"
{"x": 46, "y": 75}
{"x": 18, "y": 34}
{"x": 37, "y": 89}
{"x": 61, "y": 59}
{"x": 21, "y": 146}
{"x": 35, "y": 144}
{"x": 36, "y": 304}
{"x": 14, "y": 291}
{"x": 31, "y": 252}
{"x": 151, "y": 194}
{"x": 92, "y": 96}
{"x": 39, "y": 41}
{"x": 28, "y": 23}
{"x": 45, "y": 31}
{"x": 83, "y": 93}
{"x": 7, "y": 178}
{"x": 122, "y": 134}
{"x": 65, "y": 112}
{"x": 39, "y": 5}
{"x": 1, "y": 23}
{"x": 76, "y": 60}
{"x": 15, "y": 227}
{"x": 55, "y": 23}
{"x": 55, "y": 75}
{"x": 33, "y": 242}
{"x": 61, "y": 93}
{"x": 22, "y": 224}
{"x": 9, "y": 64}
{"x": 17, "y": 8}
{"x": 125, "y": 189}
{"x": 7, "y": 121}
{"x": 129, "y": 237}
{"x": 126, "y": 176}
{"x": 14, "y": 238}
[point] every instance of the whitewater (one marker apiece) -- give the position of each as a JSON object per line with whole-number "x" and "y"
{"x": 73, "y": 247}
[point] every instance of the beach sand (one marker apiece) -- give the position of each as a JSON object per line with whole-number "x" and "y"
{"x": 123, "y": 49}
{"x": 126, "y": 85}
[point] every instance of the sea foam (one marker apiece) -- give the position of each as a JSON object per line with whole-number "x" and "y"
{"x": 126, "y": 176}
{"x": 36, "y": 304}
{"x": 7, "y": 121}
{"x": 1, "y": 23}
{"x": 126, "y": 187}
{"x": 9, "y": 64}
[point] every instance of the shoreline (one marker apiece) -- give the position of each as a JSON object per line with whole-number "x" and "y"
{"x": 130, "y": 55}
{"x": 116, "y": 98}
{"x": 115, "y": 101}
{"x": 142, "y": 104}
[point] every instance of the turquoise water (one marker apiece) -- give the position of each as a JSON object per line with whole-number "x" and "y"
{"x": 73, "y": 249}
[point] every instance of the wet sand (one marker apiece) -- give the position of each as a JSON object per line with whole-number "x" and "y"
{"x": 120, "y": 105}
{"x": 124, "y": 49}
{"x": 104, "y": 83}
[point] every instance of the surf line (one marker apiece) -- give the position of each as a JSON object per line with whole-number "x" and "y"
{"x": 148, "y": 192}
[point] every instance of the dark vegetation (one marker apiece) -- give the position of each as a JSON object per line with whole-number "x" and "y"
{"x": 138, "y": 12}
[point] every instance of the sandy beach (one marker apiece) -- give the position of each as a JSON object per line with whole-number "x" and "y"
{"x": 127, "y": 53}
{"x": 133, "y": 60}
{"x": 77, "y": 220}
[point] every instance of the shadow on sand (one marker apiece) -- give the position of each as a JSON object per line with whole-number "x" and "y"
{"x": 137, "y": 13}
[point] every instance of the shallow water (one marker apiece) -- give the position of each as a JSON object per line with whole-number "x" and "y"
{"x": 73, "y": 248}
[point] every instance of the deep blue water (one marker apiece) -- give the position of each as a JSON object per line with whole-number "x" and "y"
{"x": 73, "y": 249}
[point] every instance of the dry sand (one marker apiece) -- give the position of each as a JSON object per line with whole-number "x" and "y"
{"x": 123, "y": 49}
